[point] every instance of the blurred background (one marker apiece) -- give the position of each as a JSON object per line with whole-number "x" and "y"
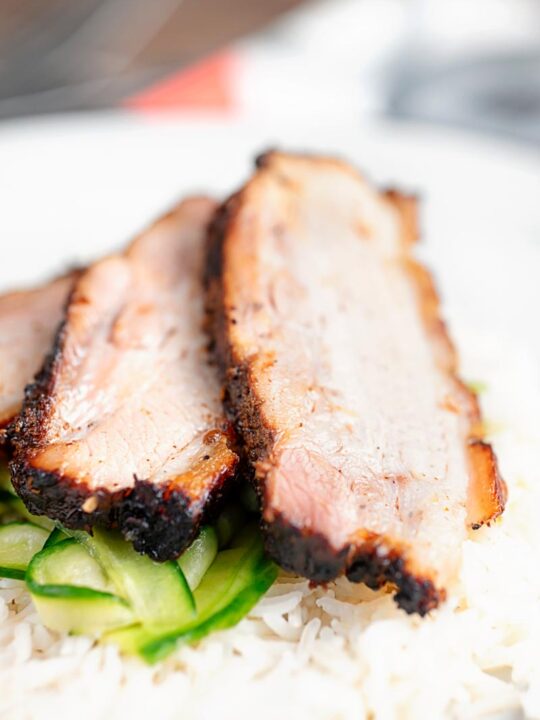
{"x": 467, "y": 63}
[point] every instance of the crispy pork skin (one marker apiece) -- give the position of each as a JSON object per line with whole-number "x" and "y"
{"x": 342, "y": 379}
{"x": 124, "y": 426}
{"x": 28, "y": 322}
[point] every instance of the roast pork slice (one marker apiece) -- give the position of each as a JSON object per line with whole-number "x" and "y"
{"x": 28, "y": 322}
{"x": 124, "y": 426}
{"x": 367, "y": 447}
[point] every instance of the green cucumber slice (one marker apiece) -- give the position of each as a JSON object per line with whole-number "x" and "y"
{"x": 19, "y": 542}
{"x": 196, "y": 560}
{"x": 55, "y": 537}
{"x": 226, "y": 616}
{"x": 72, "y": 594}
{"x": 157, "y": 592}
{"x": 231, "y": 587}
{"x": 67, "y": 564}
{"x": 40, "y": 520}
{"x": 233, "y": 570}
{"x": 228, "y": 524}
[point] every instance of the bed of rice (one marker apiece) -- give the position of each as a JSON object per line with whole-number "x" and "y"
{"x": 343, "y": 651}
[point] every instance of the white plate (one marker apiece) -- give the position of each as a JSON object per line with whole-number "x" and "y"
{"x": 76, "y": 187}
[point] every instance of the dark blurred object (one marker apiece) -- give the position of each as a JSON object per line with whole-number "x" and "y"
{"x": 58, "y": 55}
{"x": 472, "y": 64}
{"x": 499, "y": 94}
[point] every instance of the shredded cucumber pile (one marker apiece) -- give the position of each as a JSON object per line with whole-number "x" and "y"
{"x": 98, "y": 585}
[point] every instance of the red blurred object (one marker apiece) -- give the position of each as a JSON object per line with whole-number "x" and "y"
{"x": 208, "y": 85}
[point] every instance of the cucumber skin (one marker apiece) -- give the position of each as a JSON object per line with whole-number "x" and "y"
{"x": 71, "y": 592}
{"x": 158, "y": 649}
{"x": 126, "y": 572}
{"x": 74, "y": 608}
{"x": 144, "y": 640}
{"x": 83, "y": 616}
{"x": 199, "y": 556}
{"x": 152, "y": 647}
{"x": 55, "y": 537}
{"x": 57, "y": 590}
{"x": 14, "y": 506}
{"x": 261, "y": 574}
{"x": 12, "y": 573}
{"x": 17, "y": 571}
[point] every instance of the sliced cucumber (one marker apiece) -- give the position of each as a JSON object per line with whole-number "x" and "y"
{"x": 227, "y": 616}
{"x": 157, "y": 592}
{"x": 15, "y": 509}
{"x": 98, "y": 585}
{"x": 228, "y": 524}
{"x": 40, "y": 520}
{"x": 196, "y": 560}
{"x": 233, "y": 584}
{"x": 233, "y": 571}
{"x": 19, "y": 542}
{"x": 55, "y": 537}
{"x": 72, "y": 594}
{"x": 68, "y": 564}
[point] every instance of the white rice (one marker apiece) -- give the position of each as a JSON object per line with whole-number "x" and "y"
{"x": 340, "y": 652}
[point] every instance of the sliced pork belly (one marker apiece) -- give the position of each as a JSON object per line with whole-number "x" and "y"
{"x": 28, "y": 323}
{"x": 342, "y": 379}
{"x": 124, "y": 426}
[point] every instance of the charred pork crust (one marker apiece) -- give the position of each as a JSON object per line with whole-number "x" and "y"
{"x": 46, "y": 493}
{"x": 374, "y": 568}
{"x": 236, "y": 389}
{"x": 239, "y": 397}
{"x": 159, "y": 522}
{"x": 312, "y": 556}
{"x": 73, "y": 503}
{"x": 29, "y": 429}
{"x": 160, "y": 519}
{"x": 308, "y": 553}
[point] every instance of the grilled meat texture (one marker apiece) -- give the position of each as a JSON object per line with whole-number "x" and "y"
{"x": 28, "y": 322}
{"x": 124, "y": 425}
{"x": 343, "y": 382}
